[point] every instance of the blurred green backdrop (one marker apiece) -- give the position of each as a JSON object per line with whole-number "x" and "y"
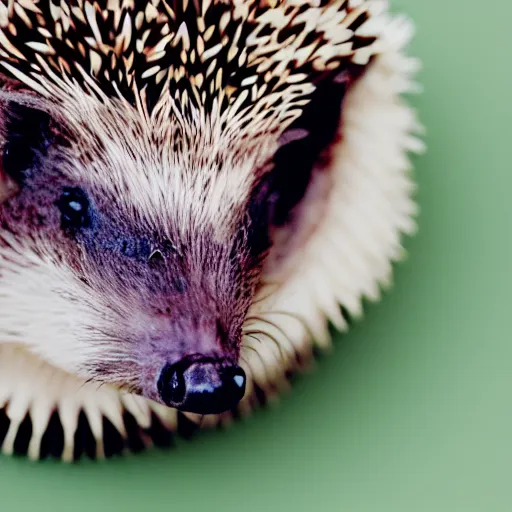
{"x": 413, "y": 411}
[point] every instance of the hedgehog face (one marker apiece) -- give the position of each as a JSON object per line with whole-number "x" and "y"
{"x": 167, "y": 163}
{"x": 113, "y": 295}
{"x": 129, "y": 283}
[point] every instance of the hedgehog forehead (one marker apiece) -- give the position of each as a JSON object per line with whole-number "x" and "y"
{"x": 158, "y": 173}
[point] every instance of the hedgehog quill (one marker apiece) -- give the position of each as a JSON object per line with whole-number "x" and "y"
{"x": 191, "y": 192}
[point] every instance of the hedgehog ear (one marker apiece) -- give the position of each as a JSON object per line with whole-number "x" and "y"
{"x": 25, "y": 134}
{"x": 304, "y": 145}
{"x": 303, "y": 149}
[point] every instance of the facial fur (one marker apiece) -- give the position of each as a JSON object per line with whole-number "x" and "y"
{"x": 118, "y": 292}
{"x": 140, "y": 227}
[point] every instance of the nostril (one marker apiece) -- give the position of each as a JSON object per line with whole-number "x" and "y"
{"x": 171, "y": 385}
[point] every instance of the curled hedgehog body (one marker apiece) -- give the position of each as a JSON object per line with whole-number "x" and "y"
{"x": 192, "y": 190}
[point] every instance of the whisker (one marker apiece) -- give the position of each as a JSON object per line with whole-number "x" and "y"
{"x": 251, "y": 334}
{"x": 262, "y": 362}
{"x": 242, "y": 358}
{"x": 265, "y": 297}
{"x": 278, "y": 328}
{"x": 295, "y": 316}
{"x": 253, "y": 337}
{"x": 90, "y": 380}
{"x": 250, "y": 348}
{"x": 272, "y": 338}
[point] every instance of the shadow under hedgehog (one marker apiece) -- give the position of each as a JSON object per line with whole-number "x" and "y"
{"x": 191, "y": 191}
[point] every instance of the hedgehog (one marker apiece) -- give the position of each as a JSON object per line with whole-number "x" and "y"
{"x": 192, "y": 194}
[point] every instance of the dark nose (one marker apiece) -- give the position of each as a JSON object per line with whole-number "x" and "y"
{"x": 202, "y": 385}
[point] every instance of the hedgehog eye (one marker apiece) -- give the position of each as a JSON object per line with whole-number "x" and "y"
{"x": 74, "y": 208}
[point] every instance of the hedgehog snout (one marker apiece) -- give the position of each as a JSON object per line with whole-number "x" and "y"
{"x": 202, "y": 385}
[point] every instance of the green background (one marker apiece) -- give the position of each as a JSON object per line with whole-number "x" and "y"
{"x": 413, "y": 411}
